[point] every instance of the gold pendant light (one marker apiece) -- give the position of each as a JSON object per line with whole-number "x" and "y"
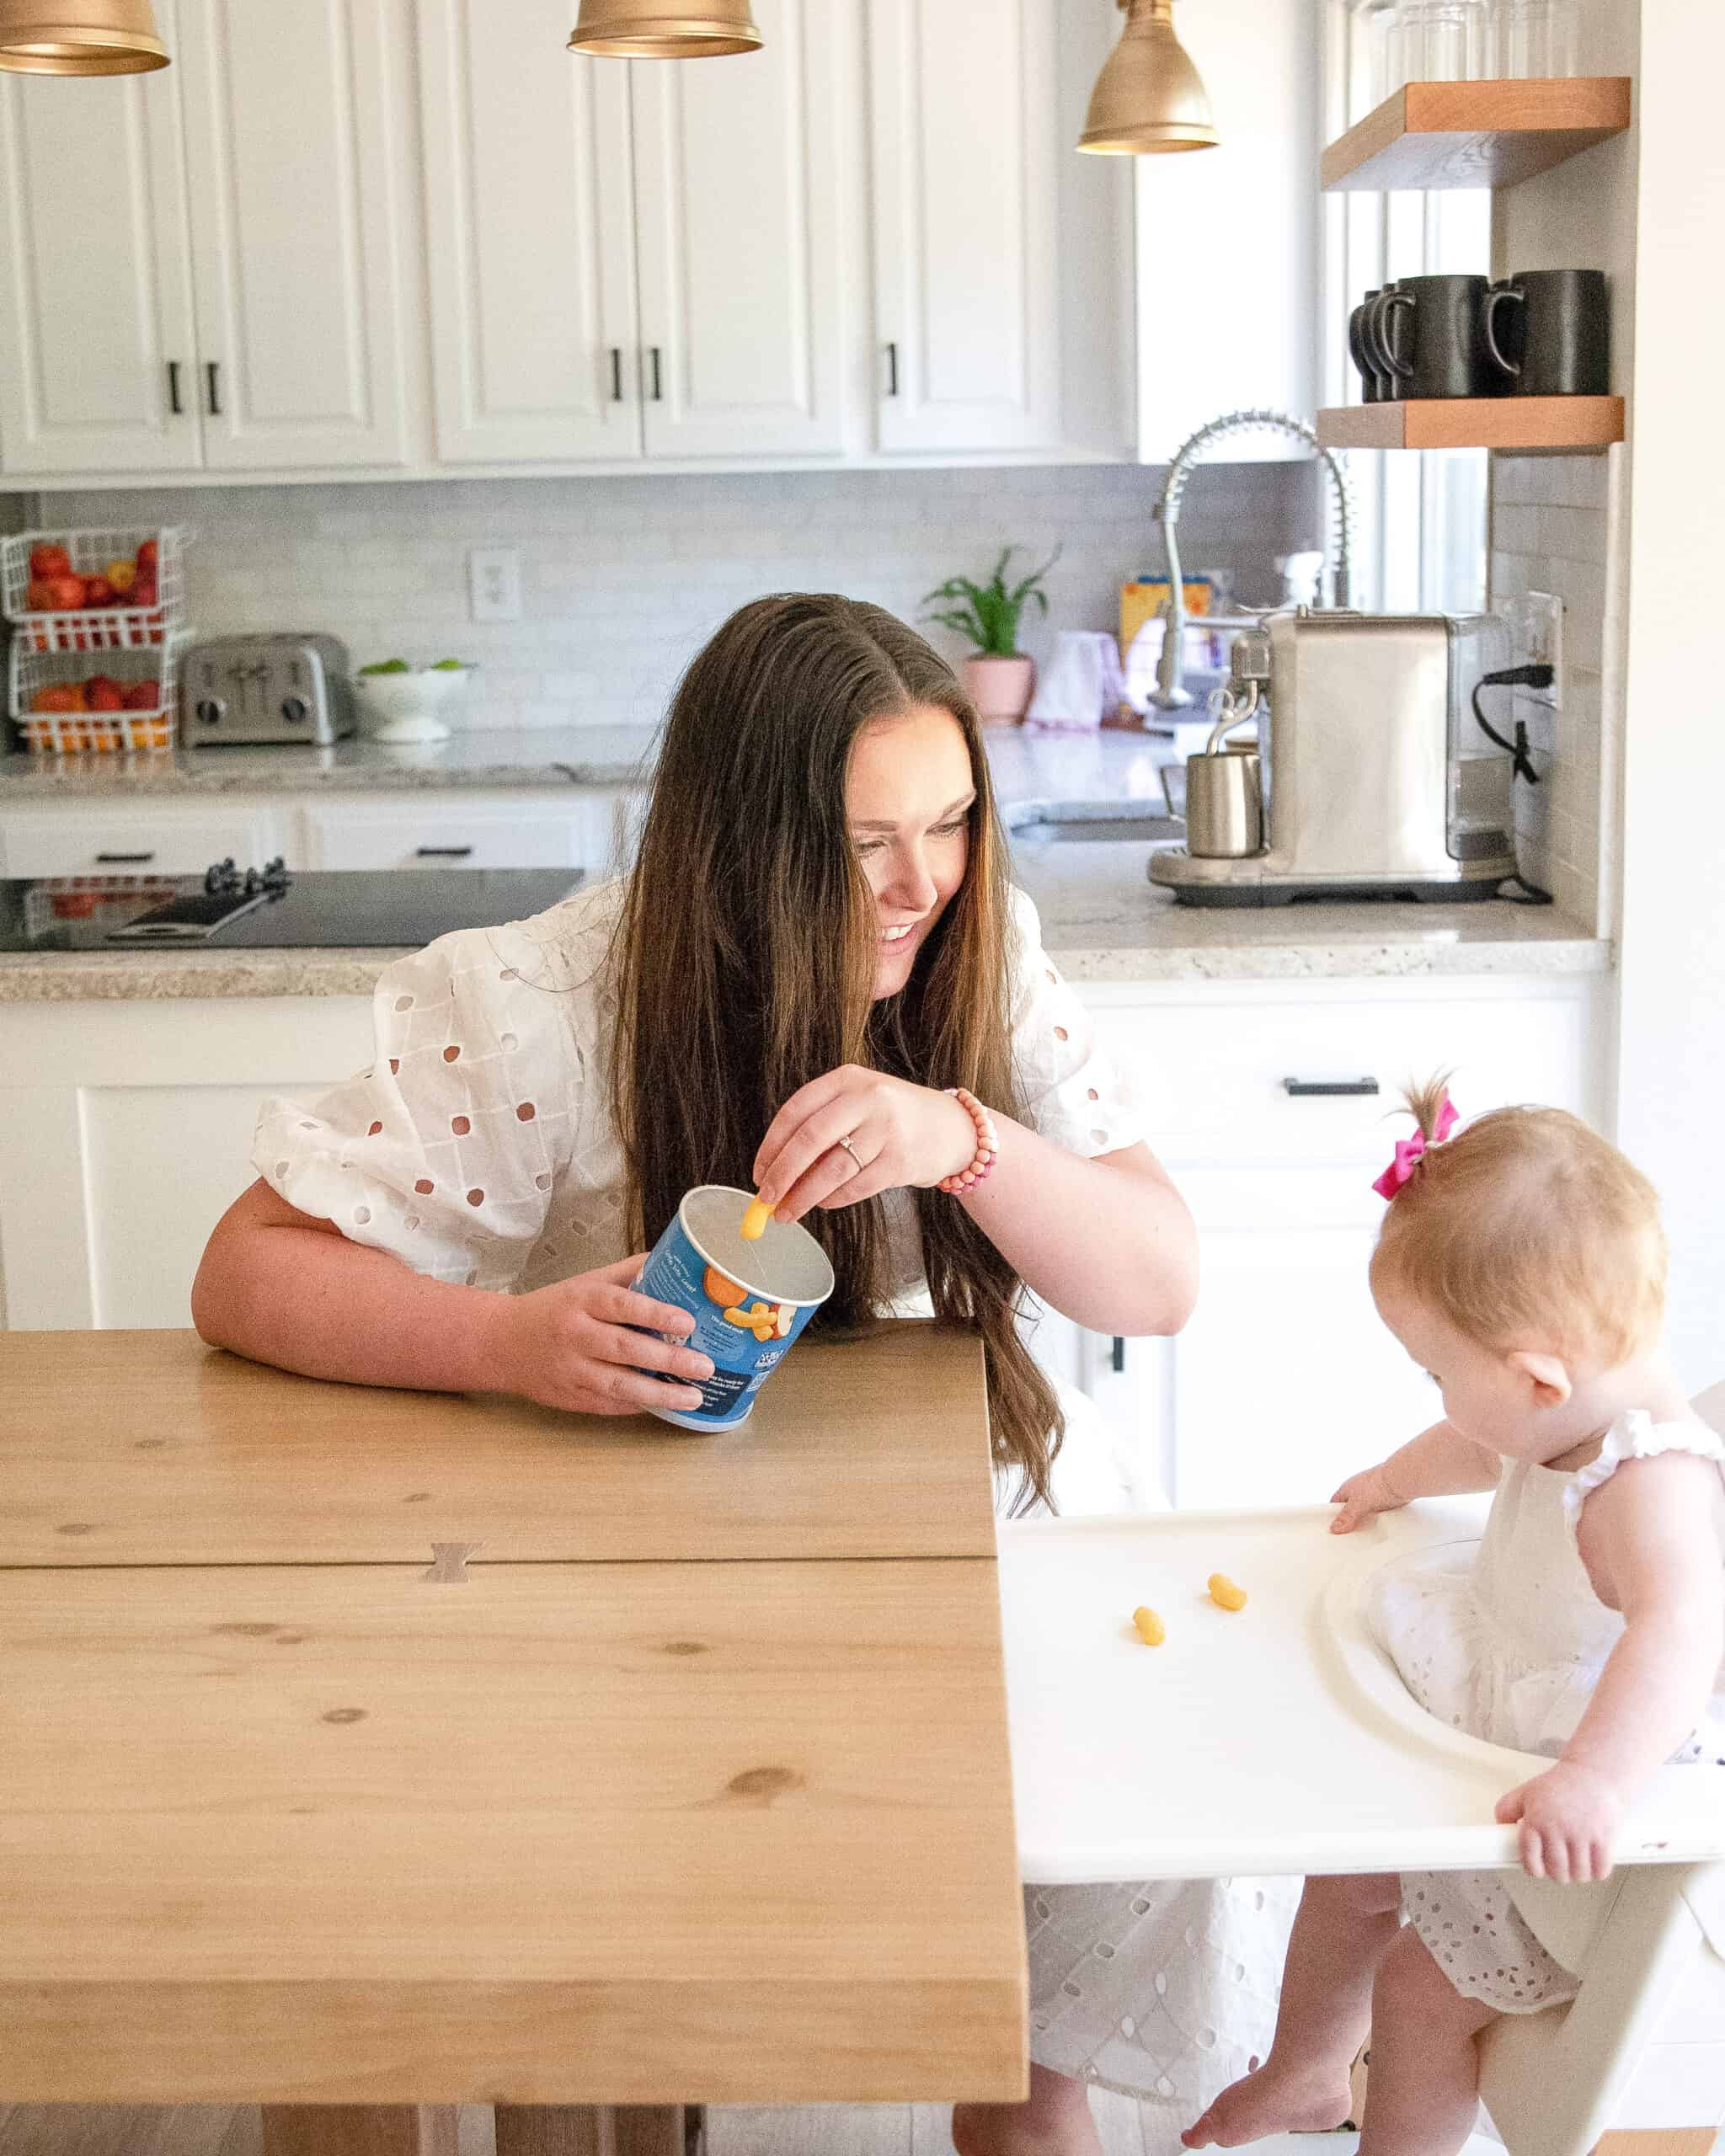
{"x": 1149, "y": 97}
{"x": 79, "y": 37}
{"x": 651, "y": 30}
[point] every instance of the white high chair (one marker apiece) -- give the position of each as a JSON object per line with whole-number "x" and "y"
{"x": 1282, "y": 1740}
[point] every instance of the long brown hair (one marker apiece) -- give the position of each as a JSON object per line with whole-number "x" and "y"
{"x": 745, "y": 955}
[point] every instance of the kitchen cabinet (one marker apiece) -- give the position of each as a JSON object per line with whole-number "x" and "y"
{"x": 112, "y": 838}
{"x": 590, "y": 827}
{"x": 1285, "y": 1379}
{"x": 206, "y": 268}
{"x": 1001, "y": 260}
{"x": 95, "y": 276}
{"x": 294, "y": 122}
{"x": 630, "y": 260}
{"x": 499, "y": 831}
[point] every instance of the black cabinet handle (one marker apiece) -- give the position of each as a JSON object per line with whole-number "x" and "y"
{"x": 892, "y": 369}
{"x": 443, "y": 852}
{"x": 125, "y": 859}
{"x": 617, "y": 374}
{"x": 214, "y": 394}
{"x": 175, "y": 404}
{"x": 658, "y": 385}
{"x": 1118, "y": 1356}
{"x": 1314, "y": 1089}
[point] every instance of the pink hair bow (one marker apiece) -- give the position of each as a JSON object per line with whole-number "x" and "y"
{"x": 1410, "y": 1151}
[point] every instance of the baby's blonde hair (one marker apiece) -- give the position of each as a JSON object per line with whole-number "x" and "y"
{"x": 1526, "y": 1227}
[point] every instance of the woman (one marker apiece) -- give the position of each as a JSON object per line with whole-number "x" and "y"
{"x": 819, "y": 938}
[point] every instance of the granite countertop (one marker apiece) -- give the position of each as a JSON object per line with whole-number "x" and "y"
{"x": 1102, "y": 920}
{"x": 542, "y": 756}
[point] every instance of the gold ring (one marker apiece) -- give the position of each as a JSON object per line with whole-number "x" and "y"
{"x": 850, "y": 1149}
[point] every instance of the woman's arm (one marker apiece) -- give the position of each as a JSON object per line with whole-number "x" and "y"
{"x": 1439, "y": 1463}
{"x": 279, "y": 1286}
{"x": 1108, "y": 1242}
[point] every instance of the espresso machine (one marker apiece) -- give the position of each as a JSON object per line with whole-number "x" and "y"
{"x": 1369, "y": 776}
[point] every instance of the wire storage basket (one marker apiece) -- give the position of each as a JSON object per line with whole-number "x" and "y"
{"x": 119, "y": 589}
{"x": 66, "y": 702}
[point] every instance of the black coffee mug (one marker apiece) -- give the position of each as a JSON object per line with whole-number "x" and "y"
{"x": 1428, "y": 330}
{"x": 1548, "y": 333}
{"x": 1371, "y": 388}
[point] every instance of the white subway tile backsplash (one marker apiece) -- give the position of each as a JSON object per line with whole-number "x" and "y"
{"x": 623, "y": 578}
{"x": 1551, "y": 531}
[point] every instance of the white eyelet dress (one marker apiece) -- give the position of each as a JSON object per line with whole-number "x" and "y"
{"x": 1510, "y": 1649}
{"x": 478, "y": 1148}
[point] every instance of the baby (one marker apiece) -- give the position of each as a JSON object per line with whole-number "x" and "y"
{"x": 1522, "y": 1265}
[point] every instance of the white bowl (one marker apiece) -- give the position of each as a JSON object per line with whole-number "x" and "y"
{"x": 406, "y": 707}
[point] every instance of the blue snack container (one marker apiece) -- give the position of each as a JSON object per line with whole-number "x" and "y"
{"x": 749, "y": 1300}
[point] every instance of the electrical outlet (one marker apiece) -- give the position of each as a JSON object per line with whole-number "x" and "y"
{"x": 1536, "y": 629}
{"x": 494, "y": 584}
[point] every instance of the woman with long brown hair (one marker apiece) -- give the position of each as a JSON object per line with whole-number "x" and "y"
{"x": 818, "y": 940}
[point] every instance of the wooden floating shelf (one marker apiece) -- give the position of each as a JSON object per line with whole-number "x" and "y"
{"x": 1511, "y": 423}
{"x": 1447, "y": 135}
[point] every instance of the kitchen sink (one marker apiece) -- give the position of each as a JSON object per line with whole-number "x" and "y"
{"x": 1087, "y": 830}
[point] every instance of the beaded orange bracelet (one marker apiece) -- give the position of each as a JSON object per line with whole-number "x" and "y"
{"x": 987, "y": 1145}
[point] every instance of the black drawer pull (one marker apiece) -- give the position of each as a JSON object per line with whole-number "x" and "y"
{"x": 443, "y": 852}
{"x": 116, "y": 860}
{"x": 1117, "y": 1355}
{"x": 1315, "y": 1089}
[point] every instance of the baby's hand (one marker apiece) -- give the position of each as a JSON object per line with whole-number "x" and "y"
{"x": 1362, "y": 1497}
{"x": 1569, "y": 1817}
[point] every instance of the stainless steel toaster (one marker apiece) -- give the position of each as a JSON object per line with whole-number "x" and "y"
{"x": 286, "y": 686}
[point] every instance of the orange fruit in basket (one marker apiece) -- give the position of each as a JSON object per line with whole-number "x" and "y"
{"x": 48, "y": 560}
{"x": 98, "y": 591}
{"x": 39, "y": 594}
{"x": 146, "y": 555}
{"x": 142, "y": 696}
{"x": 64, "y": 593}
{"x": 122, "y": 574}
{"x": 58, "y": 696}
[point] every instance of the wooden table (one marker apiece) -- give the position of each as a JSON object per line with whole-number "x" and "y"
{"x": 367, "y": 1748}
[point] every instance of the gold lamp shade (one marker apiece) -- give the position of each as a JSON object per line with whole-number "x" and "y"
{"x": 1149, "y": 97}
{"x": 79, "y": 37}
{"x": 649, "y": 29}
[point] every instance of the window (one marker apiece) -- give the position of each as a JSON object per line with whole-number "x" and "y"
{"x": 1421, "y": 545}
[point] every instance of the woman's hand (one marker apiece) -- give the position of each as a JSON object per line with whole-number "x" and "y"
{"x": 899, "y": 1135}
{"x": 570, "y": 1346}
{"x": 1567, "y": 1817}
{"x": 1362, "y": 1497}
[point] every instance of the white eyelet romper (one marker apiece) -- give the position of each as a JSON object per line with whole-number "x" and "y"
{"x": 1510, "y": 1648}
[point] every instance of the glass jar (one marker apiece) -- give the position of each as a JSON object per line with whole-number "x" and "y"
{"x": 1537, "y": 38}
{"x": 1374, "y": 67}
{"x": 1445, "y": 41}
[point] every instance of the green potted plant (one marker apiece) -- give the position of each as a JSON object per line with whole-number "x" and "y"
{"x": 1000, "y": 679}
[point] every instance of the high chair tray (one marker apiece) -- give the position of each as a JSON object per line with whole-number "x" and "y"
{"x": 1280, "y": 1739}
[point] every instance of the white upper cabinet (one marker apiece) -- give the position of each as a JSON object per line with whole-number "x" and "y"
{"x": 529, "y": 238}
{"x": 202, "y": 266}
{"x": 966, "y": 228}
{"x": 738, "y": 241}
{"x": 294, "y": 115}
{"x": 95, "y": 290}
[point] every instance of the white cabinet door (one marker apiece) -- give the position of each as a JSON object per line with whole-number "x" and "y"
{"x": 112, "y": 839}
{"x": 95, "y": 292}
{"x": 528, "y": 229}
{"x": 737, "y": 239}
{"x": 965, "y": 193}
{"x": 1285, "y": 1379}
{"x": 294, "y": 116}
{"x": 494, "y": 833}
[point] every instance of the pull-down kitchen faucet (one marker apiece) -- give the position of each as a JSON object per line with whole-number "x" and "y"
{"x": 1168, "y": 694}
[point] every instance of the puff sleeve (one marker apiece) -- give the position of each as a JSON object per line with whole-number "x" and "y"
{"x": 447, "y": 1151}
{"x": 1073, "y": 1096}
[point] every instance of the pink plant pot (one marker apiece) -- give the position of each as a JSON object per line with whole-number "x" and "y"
{"x": 1001, "y": 688}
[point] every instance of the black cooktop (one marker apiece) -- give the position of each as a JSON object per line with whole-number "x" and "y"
{"x": 336, "y": 909}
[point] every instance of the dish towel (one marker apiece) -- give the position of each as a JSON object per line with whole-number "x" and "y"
{"x": 1080, "y": 687}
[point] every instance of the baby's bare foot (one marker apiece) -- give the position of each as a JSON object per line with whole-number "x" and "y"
{"x": 1275, "y": 2099}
